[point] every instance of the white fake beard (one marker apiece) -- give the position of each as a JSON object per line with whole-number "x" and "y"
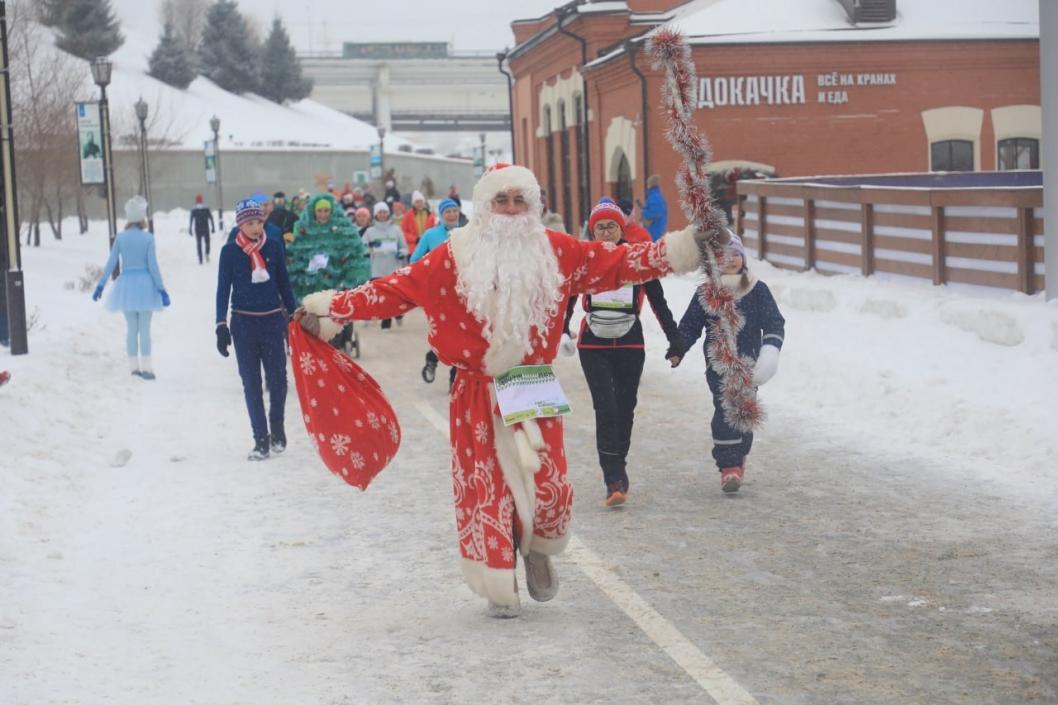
{"x": 510, "y": 280}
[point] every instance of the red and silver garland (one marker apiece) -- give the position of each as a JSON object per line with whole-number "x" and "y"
{"x": 671, "y": 54}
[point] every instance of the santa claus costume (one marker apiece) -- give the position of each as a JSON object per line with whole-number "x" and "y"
{"x": 493, "y": 297}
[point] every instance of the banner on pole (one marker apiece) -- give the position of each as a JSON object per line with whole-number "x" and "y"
{"x": 375, "y": 153}
{"x": 89, "y": 141}
{"x": 211, "y": 162}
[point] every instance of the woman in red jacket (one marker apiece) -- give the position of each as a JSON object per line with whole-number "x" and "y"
{"x": 611, "y": 349}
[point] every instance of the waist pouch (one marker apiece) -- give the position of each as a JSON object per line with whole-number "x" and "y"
{"x": 610, "y": 324}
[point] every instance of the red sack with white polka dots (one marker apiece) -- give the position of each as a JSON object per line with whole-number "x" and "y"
{"x": 349, "y": 420}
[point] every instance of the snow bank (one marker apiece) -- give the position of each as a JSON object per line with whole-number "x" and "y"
{"x": 755, "y": 21}
{"x": 962, "y": 380}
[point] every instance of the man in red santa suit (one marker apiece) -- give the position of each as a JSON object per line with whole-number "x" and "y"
{"x": 493, "y": 296}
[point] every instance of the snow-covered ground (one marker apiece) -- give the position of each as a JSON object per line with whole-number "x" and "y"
{"x": 967, "y": 377}
{"x": 142, "y": 558}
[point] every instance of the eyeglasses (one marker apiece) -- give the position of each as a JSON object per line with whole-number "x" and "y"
{"x": 607, "y": 227}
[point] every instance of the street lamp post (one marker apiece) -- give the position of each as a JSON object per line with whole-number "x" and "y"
{"x": 145, "y": 168}
{"x": 13, "y": 329}
{"x": 382, "y": 158}
{"x": 214, "y": 124}
{"x": 481, "y": 136}
{"x": 101, "y": 69}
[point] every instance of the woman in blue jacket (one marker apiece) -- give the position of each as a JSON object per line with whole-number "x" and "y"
{"x": 139, "y": 290}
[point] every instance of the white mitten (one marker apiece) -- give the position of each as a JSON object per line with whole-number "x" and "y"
{"x": 767, "y": 365}
{"x": 568, "y": 346}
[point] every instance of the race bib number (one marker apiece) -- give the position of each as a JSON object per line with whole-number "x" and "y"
{"x": 618, "y": 299}
{"x": 318, "y": 262}
{"x": 529, "y": 392}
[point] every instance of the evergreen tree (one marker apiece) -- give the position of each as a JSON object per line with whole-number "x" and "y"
{"x": 281, "y": 77}
{"x": 49, "y": 12}
{"x": 227, "y": 55}
{"x": 88, "y": 28}
{"x": 171, "y": 61}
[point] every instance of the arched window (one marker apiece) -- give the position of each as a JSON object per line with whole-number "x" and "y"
{"x": 1019, "y": 153}
{"x": 550, "y": 202}
{"x": 582, "y": 159}
{"x": 951, "y": 155}
{"x": 567, "y": 188}
{"x": 624, "y": 178}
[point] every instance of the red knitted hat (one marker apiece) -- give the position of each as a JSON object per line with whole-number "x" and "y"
{"x": 606, "y": 210}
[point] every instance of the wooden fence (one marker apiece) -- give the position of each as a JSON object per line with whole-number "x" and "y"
{"x": 990, "y": 236}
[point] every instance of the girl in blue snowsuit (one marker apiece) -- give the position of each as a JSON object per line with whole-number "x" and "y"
{"x": 252, "y": 274}
{"x": 761, "y": 338}
{"x": 139, "y": 290}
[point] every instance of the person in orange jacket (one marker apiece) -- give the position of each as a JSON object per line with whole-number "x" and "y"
{"x": 417, "y": 220}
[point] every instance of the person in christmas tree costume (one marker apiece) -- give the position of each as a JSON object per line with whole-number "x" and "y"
{"x": 327, "y": 252}
{"x": 494, "y": 297}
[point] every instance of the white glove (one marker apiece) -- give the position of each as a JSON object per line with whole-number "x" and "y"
{"x": 568, "y": 346}
{"x": 767, "y": 365}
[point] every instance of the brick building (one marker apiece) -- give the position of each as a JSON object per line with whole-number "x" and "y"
{"x": 788, "y": 87}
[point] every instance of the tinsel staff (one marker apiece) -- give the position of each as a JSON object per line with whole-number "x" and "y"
{"x": 670, "y": 53}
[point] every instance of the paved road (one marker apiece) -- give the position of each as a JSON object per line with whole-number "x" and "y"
{"x": 835, "y": 577}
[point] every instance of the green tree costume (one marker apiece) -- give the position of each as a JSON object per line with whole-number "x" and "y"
{"x": 326, "y": 256}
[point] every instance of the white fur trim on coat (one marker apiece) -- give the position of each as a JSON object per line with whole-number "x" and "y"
{"x": 495, "y": 181}
{"x": 496, "y": 584}
{"x": 520, "y": 479}
{"x": 533, "y": 433}
{"x": 682, "y": 251}
{"x": 319, "y": 303}
{"x": 550, "y": 547}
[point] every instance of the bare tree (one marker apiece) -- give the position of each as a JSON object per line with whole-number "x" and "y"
{"x": 187, "y": 17}
{"x": 44, "y": 83}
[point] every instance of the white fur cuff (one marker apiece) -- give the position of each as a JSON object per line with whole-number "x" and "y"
{"x": 319, "y": 303}
{"x": 496, "y": 584}
{"x": 682, "y": 251}
{"x": 548, "y": 546}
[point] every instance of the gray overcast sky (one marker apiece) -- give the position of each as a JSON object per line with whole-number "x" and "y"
{"x": 322, "y": 25}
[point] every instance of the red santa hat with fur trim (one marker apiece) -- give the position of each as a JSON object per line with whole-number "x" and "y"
{"x": 502, "y": 177}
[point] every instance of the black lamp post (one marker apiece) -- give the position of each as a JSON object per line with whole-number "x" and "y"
{"x": 481, "y": 136}
{"x": 101, "y": 69}
{"x": 13, "y": 329}
{"x": 214, "y": 124}
{"x": 145, "y": 168}
{"x": 382, "y": 157}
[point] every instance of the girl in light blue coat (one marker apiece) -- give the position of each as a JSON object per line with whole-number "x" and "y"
{"x": 138, "y": 291}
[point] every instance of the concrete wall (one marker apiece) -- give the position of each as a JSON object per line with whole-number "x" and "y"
{"x": 177, "y": 176}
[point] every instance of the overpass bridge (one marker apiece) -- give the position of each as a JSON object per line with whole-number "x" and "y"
{"x": 412, "y": 86}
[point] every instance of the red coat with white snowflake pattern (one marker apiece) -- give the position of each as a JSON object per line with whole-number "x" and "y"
{"x": 490, "y": 492}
